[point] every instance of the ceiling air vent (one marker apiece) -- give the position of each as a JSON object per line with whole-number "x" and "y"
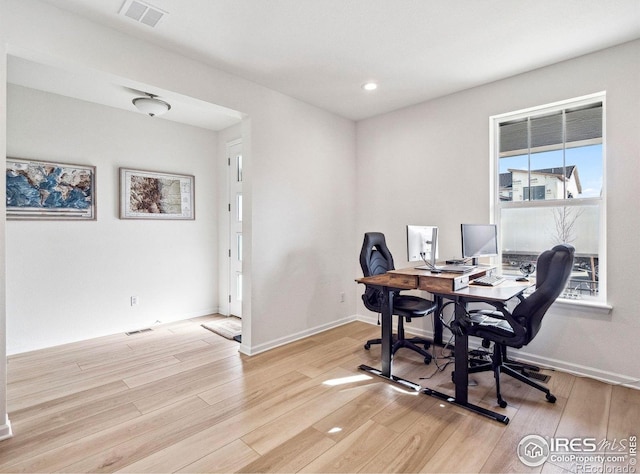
{"x": 142, "y": 12}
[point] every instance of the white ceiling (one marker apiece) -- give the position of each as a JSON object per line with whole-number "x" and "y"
{"x": 322, "y": 51}
{"x": 100, "y": 89}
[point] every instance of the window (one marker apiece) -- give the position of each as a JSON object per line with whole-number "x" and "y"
{"x": 548, "y": 188}
{"x": 537, "y": 192}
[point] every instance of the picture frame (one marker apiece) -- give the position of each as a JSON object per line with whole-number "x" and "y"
{"x": 156, "y": 195}
{"x": 46, "y": 190}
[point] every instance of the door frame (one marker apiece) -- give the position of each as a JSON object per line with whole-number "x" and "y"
{"x": 234, "y": 187}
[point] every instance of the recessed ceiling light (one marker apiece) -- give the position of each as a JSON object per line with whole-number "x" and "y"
{"x": 369, "y": 86}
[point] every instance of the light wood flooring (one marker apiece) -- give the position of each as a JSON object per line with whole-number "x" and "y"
{"x": 182, "y": 399}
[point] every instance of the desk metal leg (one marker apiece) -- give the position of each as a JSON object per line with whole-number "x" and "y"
{"x": 437, "y": 324}
{"x": 469, "y": 406}
{"x": 461, "y": 376}
{"x": 461, "y": 373}
{"x": 392, "y": 378}
{"x": 387, "y": 332}
{"x": 386, "y": 344}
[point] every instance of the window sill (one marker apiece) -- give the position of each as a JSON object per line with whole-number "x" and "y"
{"x": 582, "y": 307}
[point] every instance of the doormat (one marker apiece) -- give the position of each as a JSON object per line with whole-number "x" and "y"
{"x": 230, "y": 328}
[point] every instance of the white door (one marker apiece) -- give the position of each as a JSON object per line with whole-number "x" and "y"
{"x": 234, "y": 154}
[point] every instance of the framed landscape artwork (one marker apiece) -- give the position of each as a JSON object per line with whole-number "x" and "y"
{"x": 48, "y": 190}
{"x": 154, "y": 195}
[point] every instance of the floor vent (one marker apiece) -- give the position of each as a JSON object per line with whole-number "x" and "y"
{"x": 142, "y": 12}
{"x": 538, "y": 376}
{"x": 130, "y": 333}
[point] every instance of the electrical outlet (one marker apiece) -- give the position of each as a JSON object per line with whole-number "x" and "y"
{"x": 134, "y": 301}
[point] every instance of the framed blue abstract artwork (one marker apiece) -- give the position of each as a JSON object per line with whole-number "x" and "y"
{"x": 46, "y": 190}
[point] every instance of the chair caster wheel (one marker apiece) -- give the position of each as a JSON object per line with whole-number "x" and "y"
{"x": 367, "y": 346}
{"x": 551, "y": 398}
{"x": 427, "y": 360}
{"x": 502, "y": 404}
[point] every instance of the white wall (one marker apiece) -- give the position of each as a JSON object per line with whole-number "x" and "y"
{"x": 303, "y": 209}
{"x": 433, "y": 161}
{"x": 299, "y": 187}
{"x": 299, "y": 169}
{"x": 68, "y": 281}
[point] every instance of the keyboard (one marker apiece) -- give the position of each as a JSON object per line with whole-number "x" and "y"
{"x": 488, "y": 280}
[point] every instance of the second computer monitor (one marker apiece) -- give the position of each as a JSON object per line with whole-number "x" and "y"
{"x": 421, "y": 242}
{"x": 479, "y": 240}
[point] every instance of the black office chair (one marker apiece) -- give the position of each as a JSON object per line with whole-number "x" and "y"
{"x": 518, "y": 327}
{"x": 376, "y": 259}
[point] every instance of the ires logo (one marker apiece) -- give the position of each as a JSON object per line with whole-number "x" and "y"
{"x": 534, "y": 450}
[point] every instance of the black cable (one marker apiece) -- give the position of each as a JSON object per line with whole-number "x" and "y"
{"x": 449, "y": 358}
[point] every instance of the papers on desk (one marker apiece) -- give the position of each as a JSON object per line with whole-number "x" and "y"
{"x": 448, "y": 268}
{"x": 457, "y": 268}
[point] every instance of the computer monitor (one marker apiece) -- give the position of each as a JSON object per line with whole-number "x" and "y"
{"x": 479, "y": 240}
{"x": 421, "y": 242}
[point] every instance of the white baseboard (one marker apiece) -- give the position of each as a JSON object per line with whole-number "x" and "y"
{"x": 294, "y": 337}
{"x": 169, "y": 319}
{"x": 579, "y": 370}
{"x": 545, "y": 362}
{"x": 367, "y": 319}
{"x": 415, "y": 331}
{"x": 5, "y": 430}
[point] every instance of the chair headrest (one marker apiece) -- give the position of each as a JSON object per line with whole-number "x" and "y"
{"x": 375, "y": 257}
{"x": 552, "y": 273}
{"x": 557, "y": 264}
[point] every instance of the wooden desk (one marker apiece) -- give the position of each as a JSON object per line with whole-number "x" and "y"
{"x": 438, "y": 284}
{"x": 441, "y": 286}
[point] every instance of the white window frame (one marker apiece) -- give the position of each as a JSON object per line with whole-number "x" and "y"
{"x": 496, "y": 205}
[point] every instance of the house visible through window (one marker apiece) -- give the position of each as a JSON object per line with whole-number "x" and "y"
{"x": 549, "y": 188}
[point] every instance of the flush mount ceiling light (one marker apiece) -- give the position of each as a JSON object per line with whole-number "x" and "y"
{"x": 151, "y": 105}
{"x": 369, "y": 86}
